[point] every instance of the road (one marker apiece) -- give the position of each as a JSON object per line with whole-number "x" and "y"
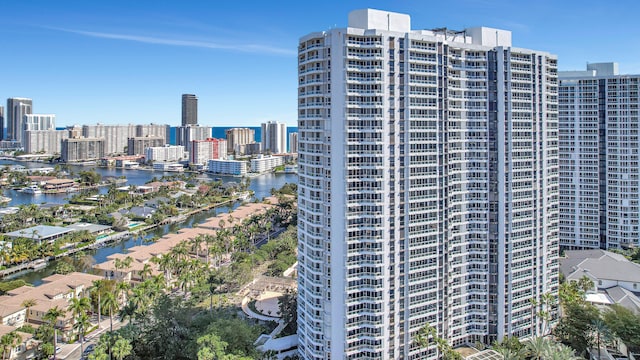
{"x": 72, "y": 351}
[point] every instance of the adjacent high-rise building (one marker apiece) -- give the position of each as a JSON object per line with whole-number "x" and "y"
{"x": 236, "y": 137}
{"x": 189, "y": 110}
{"x": 17, "y": 108}
{"x": 274, "y": 137}
{"x": 599, "y": 171}
{"x": 428, "y": 187}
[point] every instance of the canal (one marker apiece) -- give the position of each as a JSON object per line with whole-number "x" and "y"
{"x": 261, "y": 186}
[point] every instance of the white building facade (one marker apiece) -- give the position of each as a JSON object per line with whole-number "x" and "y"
{"x": 274, "y": 137}
{"x": 115, "y": 136}
{"x": 599, "y": 172}
{"x": 293, "y": 142}
{"x": 210, "y": 149}
{"x": 44, "y": 141}
{"x": 265, "y": 163}
{"x": 428, "y": 187}
{"x": 39, "y": 122}
{"x": 228, "y": 167}
{"x": 165, "y": 153}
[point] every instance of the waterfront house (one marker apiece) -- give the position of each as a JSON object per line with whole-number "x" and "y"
{"x": 39, "y": 180}
{"x": 40, "y": 233}
{"x": 93, "y": 229}
{"x": 59, "y": 184}
{"x": 139, "y": 212}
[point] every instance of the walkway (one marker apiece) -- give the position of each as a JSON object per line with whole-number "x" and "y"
{"x": 251, "y": 313}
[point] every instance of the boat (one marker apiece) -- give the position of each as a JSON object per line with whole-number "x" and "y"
{"x": 39, "y": 264}
{"x": 33, "y": 189}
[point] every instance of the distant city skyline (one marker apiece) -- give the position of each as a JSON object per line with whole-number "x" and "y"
{"x": 130, "y": 62}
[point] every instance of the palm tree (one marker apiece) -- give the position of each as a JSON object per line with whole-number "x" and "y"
{"x": 110, "y": 303}
{"x": 538, "y": 347}
{"x": 79, "y": 307}
{"x": 29, "y": 303}
{"x": 8, "y": 342}
{"x": 145, "y": 272}
{"x": 98, "y": 287}
{"x": 128, "y": 311}
{"x": 602, "y": 332}
{"x": 122, "y": 289}
{"x": 52, "y": 317}
{"x": 121, "y": 348}
{"x": 511, "y": 354}
{"x": 81, "y": 324}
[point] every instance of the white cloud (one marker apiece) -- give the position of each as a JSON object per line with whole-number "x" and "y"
{"x": 253, "y": 48}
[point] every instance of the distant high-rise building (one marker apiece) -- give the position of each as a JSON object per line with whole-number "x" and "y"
{"x": 17, "y": 108}
{"x": 186, "y": 134}
{"x": 44, "y": 141}
{"x": 137, "y": 145}
{"x": 237, "y": 137}
{"x": 115, "y": 136}
{"x": 274, "y": 137}
{"x": 2, "y": 123}
{"x": 428, "y": 188}
{"x": 293, "y": 142}
{"x": 209, "y": 149}
{"x": 37, "y": 122}
{"x": 154, "y": 130}
{"x": 82, "y": 149}
{"x": 599, "y": 158}
{"x": 189, "y": 109}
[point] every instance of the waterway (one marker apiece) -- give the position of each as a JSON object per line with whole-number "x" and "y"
{"x": 261, "y": 186}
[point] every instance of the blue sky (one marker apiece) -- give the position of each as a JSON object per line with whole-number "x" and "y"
{"x": 129, "y": 61}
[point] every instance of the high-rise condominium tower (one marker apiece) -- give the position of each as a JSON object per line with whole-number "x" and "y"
{"x": 599, "y": 172}
{"x": 2, "y": 123}
{"x": 189, "y": 110}
{"x": 17, "y": 108}
{"x": 428, "y": 187}
{"x": 274, "y": 137}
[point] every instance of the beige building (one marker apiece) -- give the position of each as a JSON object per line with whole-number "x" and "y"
{"x": 237, "y": 137}
{"x": 82, "y": 149}
{"x": 56, "y": 290}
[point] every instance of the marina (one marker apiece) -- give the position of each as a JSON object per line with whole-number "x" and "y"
{"x": 260, "y": 186}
